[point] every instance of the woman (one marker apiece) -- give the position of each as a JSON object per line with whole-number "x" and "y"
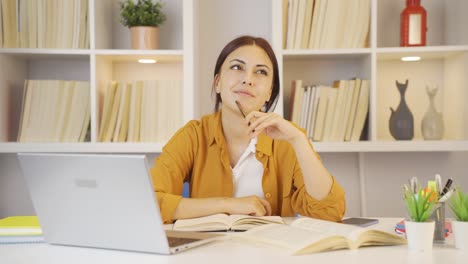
{"x": 244, "y": 159}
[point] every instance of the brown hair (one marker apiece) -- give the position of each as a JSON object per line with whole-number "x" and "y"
{"x": 244, "y": 41}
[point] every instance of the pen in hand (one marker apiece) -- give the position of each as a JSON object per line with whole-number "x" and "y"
{"x": 240, "y": 108}
{"x": 242, "y": 111}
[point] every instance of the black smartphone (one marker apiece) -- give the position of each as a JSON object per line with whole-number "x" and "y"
{"x": 362, "y": 222}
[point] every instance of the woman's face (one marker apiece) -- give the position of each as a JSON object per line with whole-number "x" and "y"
{"x": 245, "y": 76}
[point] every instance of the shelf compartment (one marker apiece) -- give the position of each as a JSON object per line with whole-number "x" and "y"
{"x": 15, "y": 68}
{"x": 323, "y": 70}
{"x": 109, "y": 33}
{"x": 446, "y": 68}
{"x": 446, "y": 22}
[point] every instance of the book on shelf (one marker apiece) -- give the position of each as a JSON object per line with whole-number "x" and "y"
{"x": 135, "y": 112}
{"x": 224, "y": 222}
{"x": 309, "y": 235}
{"x": 54, "y": 111}
{"x": 329, "y": 113}
{"x": 109, "y": 97}
{"x": 361, "y": 111}
{"x": 317, "y": 129}
{"x": 141, "y": 111}
{"x": 301, "y": 9}
{"x": 285, "y": 20}
{"x": 114, "y": 110}
{"x": 347, "y": 110}
{"x": 121, "y": 128}
{"x": 325, "y": 24}
{"x": 44, "y": 24}
{"x": 352, "y": 110}
{"x": 311, "y": 106}
{"x": 296, "y": 106}
{"x": 20, "y": 229}
{"x": 309, "y": 10}
{"x": 10, "y": 23}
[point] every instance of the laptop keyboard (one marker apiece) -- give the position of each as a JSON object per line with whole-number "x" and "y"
{"x": 177, "y": 241}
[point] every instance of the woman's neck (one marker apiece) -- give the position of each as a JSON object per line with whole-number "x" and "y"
{"x": 234, "y": 127}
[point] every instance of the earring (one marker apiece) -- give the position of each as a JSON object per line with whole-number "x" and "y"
{"x": 264, "y": 107}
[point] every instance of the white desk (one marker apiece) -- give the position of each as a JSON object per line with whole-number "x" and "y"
{"x": 231, "y": 251}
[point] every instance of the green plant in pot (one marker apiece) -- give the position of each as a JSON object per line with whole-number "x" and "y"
{"x": 420, "y": 204}
{"x": 143, "y": 17}
{"x": 459, "y": 207}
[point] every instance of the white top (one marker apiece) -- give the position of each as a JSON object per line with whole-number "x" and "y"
{"x": 248, "y": 173}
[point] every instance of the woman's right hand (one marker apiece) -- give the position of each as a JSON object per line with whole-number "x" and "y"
{"x": 248, "y": 205}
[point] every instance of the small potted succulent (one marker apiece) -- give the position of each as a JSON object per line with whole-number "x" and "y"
{"x": 459, "y": 207}
{"x": 420, "y": 204}
{"x": 143, "y": 17}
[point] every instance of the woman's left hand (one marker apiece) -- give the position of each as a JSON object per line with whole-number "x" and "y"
{"x": 272, "y": 125}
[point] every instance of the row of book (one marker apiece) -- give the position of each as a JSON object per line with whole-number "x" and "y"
{"x": 325, "y": 24}
{"x": 335, "y": 113}
{"x": 141, "y": 111}
{"x": 54, "y": 111}
{"x": 44, "y": 24}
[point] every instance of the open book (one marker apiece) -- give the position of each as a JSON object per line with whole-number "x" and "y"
{"x": 308, "y": 235}
{"x": 224, "y": 222}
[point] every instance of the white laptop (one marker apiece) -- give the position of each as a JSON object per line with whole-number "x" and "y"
{"x": 100, "y": 201}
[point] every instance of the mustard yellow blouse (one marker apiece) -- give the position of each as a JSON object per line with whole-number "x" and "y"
{"x": 198, "y": 153}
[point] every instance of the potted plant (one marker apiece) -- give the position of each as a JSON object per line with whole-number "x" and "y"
{"x": 420, "y": 205}
{"x": 143, "y": 18}
{"x": 459, "y": 206}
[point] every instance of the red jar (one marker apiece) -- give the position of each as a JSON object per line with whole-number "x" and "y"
{"x": 413, "y": 24}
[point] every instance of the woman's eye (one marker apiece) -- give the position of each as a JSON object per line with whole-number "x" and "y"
{"x": 263, "y": 72}
{"x": 236, "y": 67}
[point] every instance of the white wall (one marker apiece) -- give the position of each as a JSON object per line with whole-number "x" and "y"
{"x": 385, "y": 174}
{"x": 213, "y": 35}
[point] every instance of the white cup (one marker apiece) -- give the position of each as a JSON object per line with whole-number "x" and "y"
{"x": 460, "y": 234}
{"x": 420, "y": 235}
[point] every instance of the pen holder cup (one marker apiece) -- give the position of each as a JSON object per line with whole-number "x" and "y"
{"x": 439, "y": 218}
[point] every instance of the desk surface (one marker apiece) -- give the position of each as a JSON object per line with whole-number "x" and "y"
{"x": 232, "y": 251}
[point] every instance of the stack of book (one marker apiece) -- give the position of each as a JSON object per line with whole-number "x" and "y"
{"x": 44, "y": 24}
{"x": 20, "y": 229}
{"x": 54, "y": 111}
{"x": 141, "y": 111}
{"x": 335, "y": 113}
{"x": 325, "y": 24}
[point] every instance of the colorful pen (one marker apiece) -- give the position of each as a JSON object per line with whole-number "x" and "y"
{"x": 446, "y": 187}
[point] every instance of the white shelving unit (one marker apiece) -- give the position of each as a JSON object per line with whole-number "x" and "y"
{"x": 444, "y": 63}
{"x": 190, "y": 42}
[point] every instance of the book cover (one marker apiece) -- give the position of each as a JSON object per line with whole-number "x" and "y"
{"x": 20, "y": 226}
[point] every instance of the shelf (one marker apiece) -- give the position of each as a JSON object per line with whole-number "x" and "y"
{"x": 162, "y": 56}
{"x": 321, "y": 147}
{"x": 391, "y": 146}
{"x": 435, "y": 52}
{"x": 326, "y": 53}
{"x": 13, "y": 147}
{"x": 46, "y": 53}
{"x": 132, "y": 56}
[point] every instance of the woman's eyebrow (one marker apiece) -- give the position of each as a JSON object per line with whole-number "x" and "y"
{"x": 263, "y": 65}
{"x": 243, "y": 62}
